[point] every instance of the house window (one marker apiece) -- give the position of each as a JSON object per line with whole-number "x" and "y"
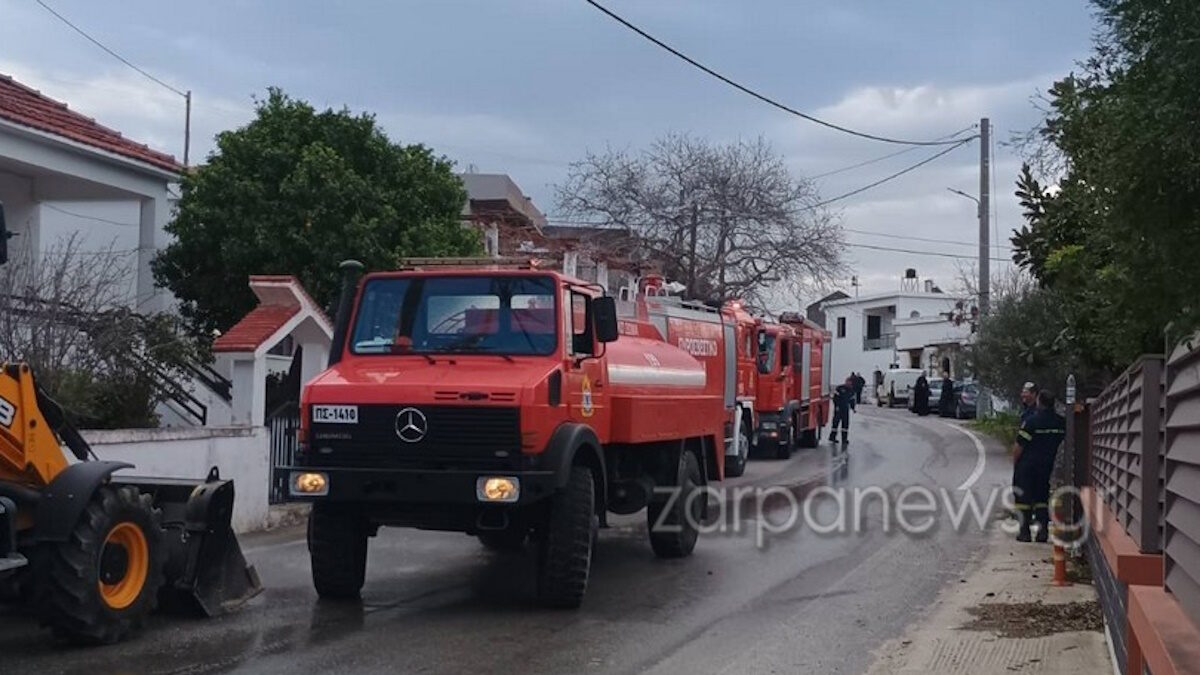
{"x": 841, "y": 331}
{"x": 874, "y": 327}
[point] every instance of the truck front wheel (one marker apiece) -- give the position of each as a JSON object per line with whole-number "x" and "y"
{"x": 565, "y": 546}
{"x": 735, "y": 464}
{"x": 337, "y": 547}
{"x": 674, "y": 519}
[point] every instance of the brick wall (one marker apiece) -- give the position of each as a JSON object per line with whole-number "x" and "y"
{"x": 1113, "y": 593}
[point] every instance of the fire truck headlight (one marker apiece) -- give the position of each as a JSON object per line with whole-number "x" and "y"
{"x": 309, "y": 484}
{"x": 502, "y": 489}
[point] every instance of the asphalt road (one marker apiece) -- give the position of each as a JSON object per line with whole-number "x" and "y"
{"x": 439, "y": 603}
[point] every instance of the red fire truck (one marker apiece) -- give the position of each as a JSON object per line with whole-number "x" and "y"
{"x": 812, "y": 363}
{"x": 497, "y": 400}
{"x": 792, "y": 402}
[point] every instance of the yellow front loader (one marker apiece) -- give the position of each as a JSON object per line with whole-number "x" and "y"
{"x": 93, "y": 551}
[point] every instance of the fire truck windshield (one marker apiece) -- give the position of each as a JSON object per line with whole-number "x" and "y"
{"x": 509, "y": 315}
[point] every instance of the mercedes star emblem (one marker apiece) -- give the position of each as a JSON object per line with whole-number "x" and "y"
{"x": 411, "y": 425}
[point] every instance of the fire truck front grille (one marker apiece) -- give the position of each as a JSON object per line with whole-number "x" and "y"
{"x": 433, "y": 435}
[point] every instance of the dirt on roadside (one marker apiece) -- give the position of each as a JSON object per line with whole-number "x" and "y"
{"x": 1035, "y": 619}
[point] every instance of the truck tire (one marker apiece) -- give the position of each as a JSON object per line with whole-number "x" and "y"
{"x": 809, "y": 438}
{"x": 673, "y": 533}
{"x": 98, "y": 586}
{"x": 337, "y": 548}
{"x": 736, "y": 466}
{"x": 787, "y": 442}
{"x": 565, "y": 546}
{"x": 510, "y": 540}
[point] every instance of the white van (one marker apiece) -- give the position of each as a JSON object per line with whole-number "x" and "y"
{"x": 897, "y": 386}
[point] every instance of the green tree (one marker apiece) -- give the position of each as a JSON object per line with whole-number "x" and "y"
{"x": 1117, "y": 240}
{"x": 296, "y": 191}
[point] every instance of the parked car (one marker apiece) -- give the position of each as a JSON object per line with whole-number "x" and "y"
{"x": 966, "y": 398}
{"x": 897, "y": 386}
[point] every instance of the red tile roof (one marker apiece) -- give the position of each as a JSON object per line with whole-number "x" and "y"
{"x": 289, "y": 279}
{"x": 253, "y": 330}
{"x": 28, "y": 107}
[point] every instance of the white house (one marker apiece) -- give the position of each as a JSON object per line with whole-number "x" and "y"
{"x": 910, "y": 328}
{"x": 51, "y": 157}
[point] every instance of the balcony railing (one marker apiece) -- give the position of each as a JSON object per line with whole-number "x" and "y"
{"x": 885, "y": 341}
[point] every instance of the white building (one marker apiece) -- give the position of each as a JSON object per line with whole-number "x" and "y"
{"x": 910, "y": 328}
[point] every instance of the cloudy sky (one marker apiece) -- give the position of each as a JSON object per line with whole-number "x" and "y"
{"x": 526, "y": 86}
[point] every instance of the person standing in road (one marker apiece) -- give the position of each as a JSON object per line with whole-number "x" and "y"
{"x": 920, "y": 395}
{"x": 1033, "y": 461}
{"x": 859, "y": 383}
{"x": 946, "y": 402}
{"x": 843, "y": 403}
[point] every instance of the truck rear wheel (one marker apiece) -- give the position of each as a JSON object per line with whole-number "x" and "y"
{"x": 565, "y": 546}
{"x": 673, "y": 520}
{"x": 337, "y": 548}
{"x": 98, "y": 586}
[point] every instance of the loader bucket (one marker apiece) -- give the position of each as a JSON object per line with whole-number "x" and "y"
{"x": 205, "y": 568}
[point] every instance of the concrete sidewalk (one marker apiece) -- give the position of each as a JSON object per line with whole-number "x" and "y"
{"x": 973, "y": 626}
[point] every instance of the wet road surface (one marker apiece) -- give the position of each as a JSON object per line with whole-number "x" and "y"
{"x": 440, "y": 603}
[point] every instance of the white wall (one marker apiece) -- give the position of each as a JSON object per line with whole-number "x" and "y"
{"x": 917, "y": 333}
{"x": 240, "y": 453}
{"x": 848, "y": 354}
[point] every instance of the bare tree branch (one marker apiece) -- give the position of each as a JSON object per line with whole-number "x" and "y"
{"x": 726, "y": 220}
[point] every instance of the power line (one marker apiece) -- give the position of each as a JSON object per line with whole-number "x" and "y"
{"x": 899, "y": 173}
{"x": 916, "y": 252}
{"x": 110, "y": 52}
{"x": 87, "y": 217}
{"x": 746, "y": 90}
{"x": 884, "y": 157}
{"x": 924, "y": 239}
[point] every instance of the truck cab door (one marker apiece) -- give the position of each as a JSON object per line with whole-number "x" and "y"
{"x": 585, "y": 378}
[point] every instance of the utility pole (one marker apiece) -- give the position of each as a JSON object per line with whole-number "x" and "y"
{"x": 985, "y": 165}
{"x": 187, "y": 126}
{"x": 983, "y": 406}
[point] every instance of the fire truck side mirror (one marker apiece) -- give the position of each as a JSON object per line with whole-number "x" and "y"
{"x": 604, "y": 313}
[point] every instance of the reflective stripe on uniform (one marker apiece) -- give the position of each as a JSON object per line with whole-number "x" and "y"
{"x": 1024, "y": 434}
{"x": 1050, "y": 431}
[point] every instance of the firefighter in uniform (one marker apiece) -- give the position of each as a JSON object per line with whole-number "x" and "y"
{"x": 1037, "y": 444}
{"x": 1029, "y": 394}
{"x": 843, "y": 403}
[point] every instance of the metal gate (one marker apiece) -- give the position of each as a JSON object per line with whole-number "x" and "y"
{"x": 283, "y": 423}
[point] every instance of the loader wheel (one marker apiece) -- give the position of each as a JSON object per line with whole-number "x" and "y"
{"x": 337, "y": 548}
{"x": 566, "y": 544}
{"x": 673, "y": 519}
{"x": 98, "y": 586}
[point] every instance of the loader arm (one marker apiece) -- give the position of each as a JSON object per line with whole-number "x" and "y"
{"x": 30, "y": 453}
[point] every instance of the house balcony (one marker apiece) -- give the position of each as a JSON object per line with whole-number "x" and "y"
{"x": 885, "y": 341}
